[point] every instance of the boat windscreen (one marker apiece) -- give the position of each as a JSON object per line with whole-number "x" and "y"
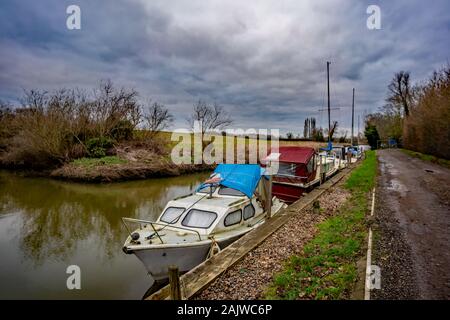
{"x": 286, "y": 169}
{"x": 225, "y": 191}
{"x": 207, "y": 188}
{"x": 199, "y": 219}
{"x": 172, "y": 214}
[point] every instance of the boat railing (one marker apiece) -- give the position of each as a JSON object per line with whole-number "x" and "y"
{"x": 290, "y": 176}
{"x": 152, "y": 224}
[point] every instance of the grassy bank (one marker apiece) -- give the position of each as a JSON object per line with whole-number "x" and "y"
{"x": 327, "y": 267}
{"x": 427, "y": 157}
{"x": 133, "y": 164}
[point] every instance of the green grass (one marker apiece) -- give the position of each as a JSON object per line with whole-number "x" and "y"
{"x": 327, "y": 267}
{"x": 92, "y": 162}
{"x": 427, "y": 157}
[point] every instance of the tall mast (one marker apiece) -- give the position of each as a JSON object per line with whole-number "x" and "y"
{"x": 328, "y": 86}
{"x": 353, "y": 115}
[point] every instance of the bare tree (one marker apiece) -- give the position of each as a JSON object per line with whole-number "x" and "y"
{"x": 312, "y": 127}
{"x": 111, "y": 107}
{"x": 343, "y": 137}
{"x": 400, "y": 93}
{"x": 4, "y": 107}
{"x": 34, "y": 99}
{"x": 334, "y": 127}
{"x": 307, "y": 128}
{"x": 209, "y": 117}
{"x": 157, "y": 118}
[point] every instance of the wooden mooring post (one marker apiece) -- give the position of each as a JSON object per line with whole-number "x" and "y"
{"x": 174, "y": 283}
{"x": 316, "y": 207}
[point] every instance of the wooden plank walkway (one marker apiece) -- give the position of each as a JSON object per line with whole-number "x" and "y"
{"x": 197, "y": 279}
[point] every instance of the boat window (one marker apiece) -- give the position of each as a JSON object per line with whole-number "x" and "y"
{"x": 249, "y": 211}
{"x": 233, "y": 218}
{"x": 206, "y": 189}
{"x": 199, "y": 219}
{"x": 172, "y": 214}
{"x": 225, "y": 191}
{"x": 286, "y": 169}
{"x": 310, "y": 166}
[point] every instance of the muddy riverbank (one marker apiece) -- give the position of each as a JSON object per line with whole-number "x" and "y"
{"x": 124, "y": 172}
{"x": 123, "y": 166}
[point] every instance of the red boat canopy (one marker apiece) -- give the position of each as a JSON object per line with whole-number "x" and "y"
{"x": 293, "y": 154}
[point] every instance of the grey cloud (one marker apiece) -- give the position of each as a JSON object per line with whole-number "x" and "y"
{"x": 264, "y": 61}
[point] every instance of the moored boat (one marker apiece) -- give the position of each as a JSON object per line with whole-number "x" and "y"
{"x": 300, "y": 169}
{"x": 191, "y": 228}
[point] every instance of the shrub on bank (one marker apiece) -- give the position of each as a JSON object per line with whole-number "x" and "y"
{"x": 50, "y": 129}
{"x": 97, "y": 147}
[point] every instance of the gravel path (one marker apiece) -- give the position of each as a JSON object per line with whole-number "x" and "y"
{"x": 249, "y": 278}
{"x": 412, "y": 211}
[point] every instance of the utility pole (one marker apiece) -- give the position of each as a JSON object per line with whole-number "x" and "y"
{"x": 353, "y": 115}
{"x": 328, "y": 87}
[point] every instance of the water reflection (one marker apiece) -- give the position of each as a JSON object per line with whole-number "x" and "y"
{"x": 46, "y": 224}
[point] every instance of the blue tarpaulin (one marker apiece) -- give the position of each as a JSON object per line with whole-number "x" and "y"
{"x": 242, "y": 177}
{"x": 328, "y": 148}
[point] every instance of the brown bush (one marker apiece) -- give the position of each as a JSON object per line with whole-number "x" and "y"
{"x": 6, "y": 129}
{"x": 156, "y": 143}
{"x": 51, "y": 128}
{"x": 427, "y": 129}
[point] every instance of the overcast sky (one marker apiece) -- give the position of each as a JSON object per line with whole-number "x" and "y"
{"x": 264, "y": 61}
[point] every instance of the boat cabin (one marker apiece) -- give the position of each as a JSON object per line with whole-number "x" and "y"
{"x": 296, "y": 172}
{"x": 225, "y": 201}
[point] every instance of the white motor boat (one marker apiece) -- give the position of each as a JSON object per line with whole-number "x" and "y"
{"x": 194, "y": 227}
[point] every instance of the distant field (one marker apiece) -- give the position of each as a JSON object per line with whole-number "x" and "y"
{"x": 311, "y": 144}
{"x": 223, "y": 141}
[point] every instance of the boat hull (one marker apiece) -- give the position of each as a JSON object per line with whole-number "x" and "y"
{"x": 158, "y": 259}
{"x": 288, "y": 193}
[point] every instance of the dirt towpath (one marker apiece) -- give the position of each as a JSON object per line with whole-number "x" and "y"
{"x": 412, "y": 244}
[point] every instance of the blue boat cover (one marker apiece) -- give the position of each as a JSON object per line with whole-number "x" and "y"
{"x": 328, "y": 148}
{"x": 242, "y": 177}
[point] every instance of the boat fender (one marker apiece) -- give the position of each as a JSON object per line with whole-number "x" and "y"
{"x": 135, "y": 236}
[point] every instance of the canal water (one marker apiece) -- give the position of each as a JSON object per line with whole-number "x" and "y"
{"x": 48, "y": 225}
